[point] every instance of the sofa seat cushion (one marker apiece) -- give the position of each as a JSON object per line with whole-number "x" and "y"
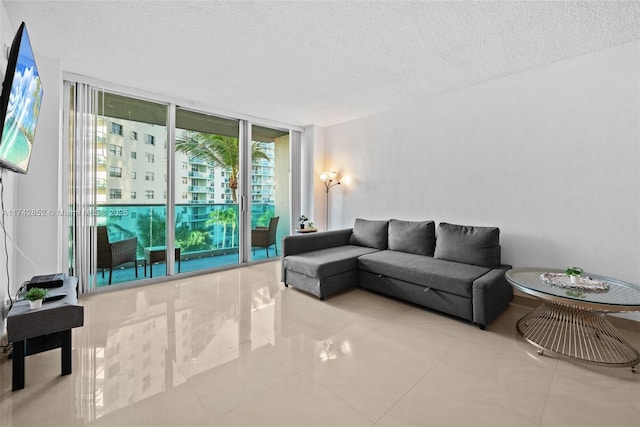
{"x": 447, "y": 276}
{"x": 328, "y": 262}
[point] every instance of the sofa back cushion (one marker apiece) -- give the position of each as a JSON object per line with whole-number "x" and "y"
{"x": 468, "y": 244}
{"x": 372, "y": 234}
{"x": 414, "y": 237}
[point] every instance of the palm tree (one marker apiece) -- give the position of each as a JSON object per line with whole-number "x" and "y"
{"x": 220, "y": 151}
{"x": 225, "y": 217}
{"x": 151, "y": 229}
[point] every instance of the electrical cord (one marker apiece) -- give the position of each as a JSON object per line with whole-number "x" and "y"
{"x": 4, "y": 232}
{"x": 22, "y": 288}
{"x": 6, "y": 236}
{"x": 6, "y": 349}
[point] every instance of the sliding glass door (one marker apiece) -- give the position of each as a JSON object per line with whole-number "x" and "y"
{"x": 270, "y": 210}
{"x": 118, "y": 188}
{"x": 131, "y": 184}
{"x": 207, "y": 214}
{"x": 156, "y": 189}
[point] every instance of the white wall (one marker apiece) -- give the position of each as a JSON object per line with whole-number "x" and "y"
{"x": 550, "y": 155}
{"x": 39, "y": 189}
{"x": 313, "y": 196}
{"x": 307, "y": 183}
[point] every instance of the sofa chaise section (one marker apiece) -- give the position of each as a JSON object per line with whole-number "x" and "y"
{"x": 326, "y": 271}
{"x": 321, "y": 264}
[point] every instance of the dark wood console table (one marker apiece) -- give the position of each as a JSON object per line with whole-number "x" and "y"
{"x": 34, "y": 331}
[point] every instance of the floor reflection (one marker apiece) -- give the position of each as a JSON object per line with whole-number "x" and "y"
{"x": 162, "y": 343}
{"x": 330, "y": 350}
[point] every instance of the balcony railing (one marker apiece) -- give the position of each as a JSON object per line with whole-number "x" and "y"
{"x": 147, "y": 223}
{"x": 202, "y": 175}
{"x": 196, "y": 217}
{"x": 200, "y": 189}
{"x": 198, "y": 161}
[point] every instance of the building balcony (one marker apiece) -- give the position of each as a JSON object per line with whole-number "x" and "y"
{"x": 201, "y": 175}
{"x": 196, "y": 217}
{"x": 197, "y": 161}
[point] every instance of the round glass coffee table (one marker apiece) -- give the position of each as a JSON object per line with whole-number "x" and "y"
{"x": 572, "y": 321}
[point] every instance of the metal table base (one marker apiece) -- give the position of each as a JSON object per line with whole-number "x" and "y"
{"x": 579, "y": 333}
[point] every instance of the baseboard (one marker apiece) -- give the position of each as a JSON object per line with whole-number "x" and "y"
{"x": 618, "y": 322}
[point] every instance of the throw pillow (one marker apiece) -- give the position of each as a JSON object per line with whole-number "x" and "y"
{"x": 468, "y": 244}
{"x": 415, "y": 237}
{"x": 372, "y": 234}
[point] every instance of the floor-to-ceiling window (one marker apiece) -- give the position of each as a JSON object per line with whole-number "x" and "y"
{"x": 207, "y": 166}
{"x": 133, "y": 160}
{"x": 270, "y": 208}
{"x": 118, "y": 179}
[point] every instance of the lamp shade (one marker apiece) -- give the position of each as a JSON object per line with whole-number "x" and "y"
{"x": 328, "y": 176}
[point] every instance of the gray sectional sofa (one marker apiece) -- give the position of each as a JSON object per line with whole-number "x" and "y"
{"x": 456, "y": 271}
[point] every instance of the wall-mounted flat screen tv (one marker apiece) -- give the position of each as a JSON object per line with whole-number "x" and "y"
{"x": 19, "y": 104}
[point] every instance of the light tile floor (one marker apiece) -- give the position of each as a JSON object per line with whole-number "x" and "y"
{"x": 237, "y": 348}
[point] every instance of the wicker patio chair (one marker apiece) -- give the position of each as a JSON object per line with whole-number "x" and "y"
{"x": 263, "y": 237}
{"x": 112, "y": 255}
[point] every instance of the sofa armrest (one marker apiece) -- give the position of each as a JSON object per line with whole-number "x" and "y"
{"x": 491, "y": 294}
{"x": 301, "y": 243}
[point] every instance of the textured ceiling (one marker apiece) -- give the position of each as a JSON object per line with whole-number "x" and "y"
{"x": 316, "y": 62}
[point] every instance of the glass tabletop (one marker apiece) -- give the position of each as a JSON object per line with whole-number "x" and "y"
{"x": 622, "y": 295}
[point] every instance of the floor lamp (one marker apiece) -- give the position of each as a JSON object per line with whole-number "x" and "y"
{"x": 330, "y": 179}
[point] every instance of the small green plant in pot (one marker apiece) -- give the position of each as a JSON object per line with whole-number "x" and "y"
{"x": 302, "y": 220}
{"x": 574, "y": 274}
{"x": 35, "y": 297}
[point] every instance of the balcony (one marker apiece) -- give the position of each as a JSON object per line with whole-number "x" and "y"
{"x": 196, "y": 217}
{"x": 200, "y": 189}
{"x": 201, "y": 175}
{"x": 202, "y": 246}
{"x": 197, "y": 161}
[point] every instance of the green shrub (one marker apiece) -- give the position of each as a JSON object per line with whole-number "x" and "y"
{"x": 573, "y": 271}
{"x": 34, "y": 294}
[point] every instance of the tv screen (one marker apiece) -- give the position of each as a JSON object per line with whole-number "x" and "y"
{"x": 19, "y": 104}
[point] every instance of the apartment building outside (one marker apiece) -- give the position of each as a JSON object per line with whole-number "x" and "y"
{"x": 131, "y": 181}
